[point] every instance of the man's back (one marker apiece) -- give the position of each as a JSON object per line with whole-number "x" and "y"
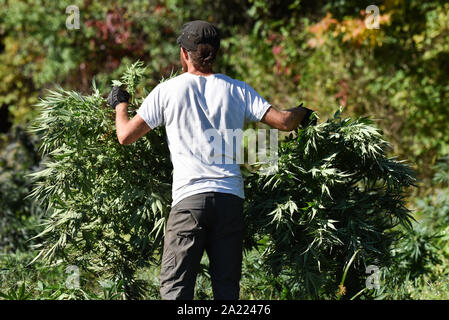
{"x": 201, "y": 114}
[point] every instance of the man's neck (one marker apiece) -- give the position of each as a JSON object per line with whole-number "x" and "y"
{"x": 199, "y": 73}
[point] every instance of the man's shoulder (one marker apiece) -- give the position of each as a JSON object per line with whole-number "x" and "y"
{"x": 183, "y": 80}
{"x": 229, "y": 79}
{"x": 232, "y": 83}
{"x": 173, "y": 80}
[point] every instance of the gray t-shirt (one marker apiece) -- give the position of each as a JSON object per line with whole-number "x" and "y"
{"x": 197, "y": 112}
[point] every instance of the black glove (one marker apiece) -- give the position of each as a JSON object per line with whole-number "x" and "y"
{"x": 117, "y": 95}
{"x": 307, "y": 121}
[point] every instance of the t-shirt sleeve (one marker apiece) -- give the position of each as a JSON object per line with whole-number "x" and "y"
{"x": 256, "y": 106}
{"x": 152, "y": 109}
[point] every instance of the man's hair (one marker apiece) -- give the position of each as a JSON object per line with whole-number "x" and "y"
{"x": 203, "y": 57}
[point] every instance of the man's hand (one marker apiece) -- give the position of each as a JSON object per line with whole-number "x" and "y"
{"x": 128, "y": 131}
{"x": 117, "y": 96}
{"x": 306, "y": 121}
{"x": 288, "y": 120}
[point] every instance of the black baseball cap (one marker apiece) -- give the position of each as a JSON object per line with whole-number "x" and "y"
{"x": 196, "y": 32}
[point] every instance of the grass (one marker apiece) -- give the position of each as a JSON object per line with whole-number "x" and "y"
{"x": 21, "y": 281}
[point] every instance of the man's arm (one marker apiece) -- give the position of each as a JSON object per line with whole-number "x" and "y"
{"x": 129, "y": 131}
{"x": 284, "y": 120}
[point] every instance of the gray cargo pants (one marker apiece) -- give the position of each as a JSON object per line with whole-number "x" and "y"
{"x": 209, "y": 221}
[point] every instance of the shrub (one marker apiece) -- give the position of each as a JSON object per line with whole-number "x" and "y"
{"x": 335, "y": 193}
{"x": 106, "y": 203}
{"x": 18, "y": 214}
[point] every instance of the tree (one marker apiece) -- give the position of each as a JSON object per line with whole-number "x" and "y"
{"x": 335, "y": 193}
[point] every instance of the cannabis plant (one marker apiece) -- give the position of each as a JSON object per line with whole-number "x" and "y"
{"x": 106, "y": 203}
{"x": 335, "y": 196}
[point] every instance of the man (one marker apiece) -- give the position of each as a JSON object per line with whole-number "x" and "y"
{"x": 207, "y": 208}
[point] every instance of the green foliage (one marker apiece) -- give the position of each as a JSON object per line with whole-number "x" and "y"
{"x": 38, "y": 281}
{"x": 397, "y": 73}
{"x": 16, "y": 295}
{"x": 18, "y": 216}
{"x": 336, "y": 192}
{"x": 106, "y": 203}
{"x": 289, "y": 51}
{"x": 422, "y": 254}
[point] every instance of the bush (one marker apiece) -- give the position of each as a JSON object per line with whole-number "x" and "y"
{"x": 19, "y": 215}
{"x": 335, "y": 193}
{"x": 106, "y": 203}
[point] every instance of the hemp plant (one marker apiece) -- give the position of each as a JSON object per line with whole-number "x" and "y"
{"x": 336, "y": 197}
{"x": 106, "y": 204}
{"x": 335, "y": 193}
